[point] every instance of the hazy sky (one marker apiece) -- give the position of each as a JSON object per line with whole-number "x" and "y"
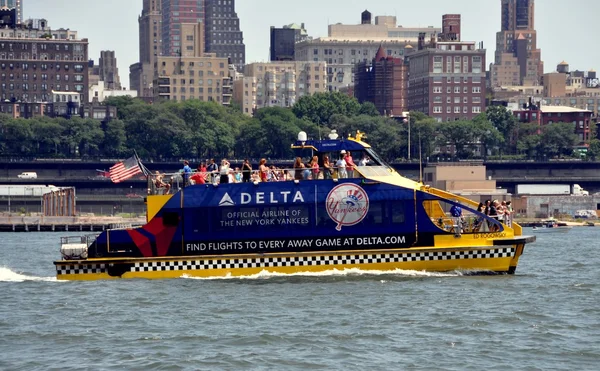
{"x": 566, "y": 30}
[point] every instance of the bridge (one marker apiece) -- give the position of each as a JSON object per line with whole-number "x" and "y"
{"x": 93, "y": 190}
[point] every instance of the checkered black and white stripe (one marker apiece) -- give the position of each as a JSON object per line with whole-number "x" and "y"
{"x": 80, "y": 269}
{"x": 333, "y": 260}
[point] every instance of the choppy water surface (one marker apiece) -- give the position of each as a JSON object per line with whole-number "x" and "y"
{"x": 546, "y": 316}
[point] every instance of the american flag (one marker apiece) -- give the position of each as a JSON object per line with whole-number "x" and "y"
{"x": 125, "y": 169}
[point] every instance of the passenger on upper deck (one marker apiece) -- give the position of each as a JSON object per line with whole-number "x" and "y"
{"x": 298, "y": 168}
{"x": 327, "y": 168}
{"x": 263, "y": 169}
{"x": 364, "y": 161}
{"x": 224, "y": 170}
{"x": 341, "y": 166}
{"x": 246, "y": 171}
{"x": 314, "y": 165}
{"x": 350, "y": 165}
{"x": 159, "y": 183}
{"x": 187, "y": 171}
{"x": 213, "y": 169}
{"x": 237, "y": 175}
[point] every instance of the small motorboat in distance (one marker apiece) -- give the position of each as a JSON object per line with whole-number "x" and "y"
{"x": 552, "y": 226}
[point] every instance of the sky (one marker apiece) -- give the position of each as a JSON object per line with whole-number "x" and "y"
{"x": 565, "y": 32}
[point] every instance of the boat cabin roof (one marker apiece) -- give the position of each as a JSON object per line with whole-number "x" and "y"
{"x": 328, "y": 145}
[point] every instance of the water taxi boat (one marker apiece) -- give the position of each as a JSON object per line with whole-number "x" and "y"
{"x": 374, "y": 219}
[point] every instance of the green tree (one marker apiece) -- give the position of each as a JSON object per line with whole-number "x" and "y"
{"x": 17, "y": 137}
{"x": 594, "y": 150}
{"x": 121, "y": 103}
{"x": 368, "y": 109}
{"x": 47, "y": 134}
{"x": 423, "y": 134}
{"x": 460, "y": 134}
{"x": 280, "y": 127}
{"x": 320, "y": 107}
{"x": 114, "y": 139}
{"x": 558, "y": 139}
{"x": 488, "y": 135}
{"x": 506, "y": 123}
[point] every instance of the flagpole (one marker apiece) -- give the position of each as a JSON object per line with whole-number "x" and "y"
{"x": 139, "y": 162}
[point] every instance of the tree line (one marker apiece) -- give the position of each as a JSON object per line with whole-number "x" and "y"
{"x": 197, "y": 130}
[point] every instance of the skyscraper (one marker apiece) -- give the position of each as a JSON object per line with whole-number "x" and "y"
{"x": 18, "y": 4}
{"x": 282, "y": 44}
{"x": 141, "y": 74}
{"x": 222, "y": 31}
{"x": 174, "y": 13}
{"x": 517, "y": 58}
{"x": 109, "y": 73}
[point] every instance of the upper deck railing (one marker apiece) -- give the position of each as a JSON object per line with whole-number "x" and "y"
{"x": 160, "y": 184}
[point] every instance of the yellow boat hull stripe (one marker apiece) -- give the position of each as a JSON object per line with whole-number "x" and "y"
{"x": 430, "y": 260}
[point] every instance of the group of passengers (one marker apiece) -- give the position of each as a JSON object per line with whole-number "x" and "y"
{"x": 344, "y": 167}
{"x": 501, "y": 211}
{"x": 210, "y": 172}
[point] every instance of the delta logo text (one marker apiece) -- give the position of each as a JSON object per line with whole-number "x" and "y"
{"x": 261, "y": 198}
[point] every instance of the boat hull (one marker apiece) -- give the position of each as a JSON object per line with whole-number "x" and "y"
{"x": 484, "y": 259}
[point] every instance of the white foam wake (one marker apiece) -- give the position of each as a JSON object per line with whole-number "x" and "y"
{"x": 333, "y": 273}
{"x": 7, "y": 275}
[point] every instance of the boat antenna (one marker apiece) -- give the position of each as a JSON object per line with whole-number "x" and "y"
{"x": 420, "y": 160}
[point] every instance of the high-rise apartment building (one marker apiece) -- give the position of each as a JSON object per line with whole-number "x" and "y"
{"x": 17, "y": 5}
{"x": 517, "y": 59}
{"x": 284, "y": 39}
{"x": 384, "y": 82}
{"x": 283, "y": 42}
{"x": 348, "y": 45}
{"x": 223, "y": 36}
{"x": 109, "y": 72}
{"x": 184, "y": 28}
{"x": 33, "y": 66}
{"x": 278, "y": 84}
{"x": 174, "y": 14}
{"x": 447, "y": 80}
{"x": 194, "y": 74}
{"x": 141, "y": 74}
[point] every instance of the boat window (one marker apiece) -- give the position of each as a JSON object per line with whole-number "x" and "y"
{"x": 375, "y": 159}
{"x": 397, "y": 212}
{"x": 171, "y": 219}
{"x": 373, "y": 171}
{"x": 449, "y": 217}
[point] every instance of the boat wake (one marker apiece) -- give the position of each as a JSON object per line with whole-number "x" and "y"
{"x": 353, "y": 272}
{"x": 7, "y": 275}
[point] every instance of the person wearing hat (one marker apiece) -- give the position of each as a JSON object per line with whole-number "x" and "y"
{"x": 341, "y": 165}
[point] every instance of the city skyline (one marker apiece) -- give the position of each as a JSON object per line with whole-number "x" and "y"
{"x": 481, "y": 22}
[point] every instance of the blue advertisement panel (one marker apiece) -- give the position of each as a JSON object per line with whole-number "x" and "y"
{"x": 288, "y": 216}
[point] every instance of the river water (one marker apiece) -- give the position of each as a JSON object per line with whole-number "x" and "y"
{"x": 547, "y": 316}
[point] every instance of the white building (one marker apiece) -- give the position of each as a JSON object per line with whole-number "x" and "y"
{"x": 347, "y": 45}
{"x": 278, "y": 84}
{"x": 99, "y": 92}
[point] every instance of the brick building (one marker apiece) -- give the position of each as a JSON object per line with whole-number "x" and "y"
{"x": 447, "y": 80}
{"x": 517, "y": 61}
{"x": 384, "y": 83}
{"x": 545, "y": 115}
{"x": 36, "y": 61}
